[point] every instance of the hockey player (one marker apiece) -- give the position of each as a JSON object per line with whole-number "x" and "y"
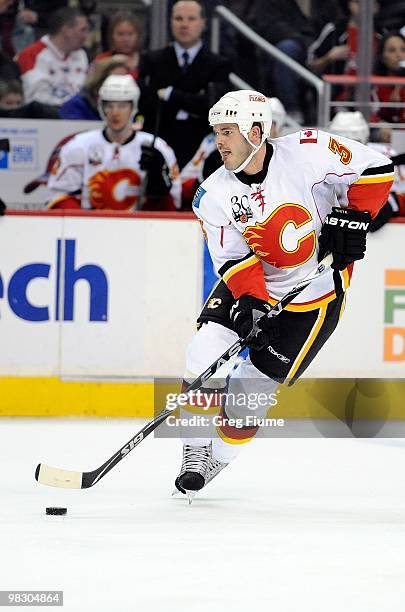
{"x": 116, "y": 168}
{"x": 207, "y": 158}
{"x": 352, "y": 124}
{"x": 268, "y": 215}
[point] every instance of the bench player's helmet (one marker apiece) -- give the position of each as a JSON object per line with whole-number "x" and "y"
{"x": 118, "y": 88}
{"x": 278, "y": 112}
{"x": 350, "y": 124}
{"x": 244, "y": 107}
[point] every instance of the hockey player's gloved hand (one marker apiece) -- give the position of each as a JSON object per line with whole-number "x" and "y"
{"x": 344, "y": 235}
{"x": 152, "y": 161}
{"x": 3, "y": 208}
{"x": 247, "y": 315}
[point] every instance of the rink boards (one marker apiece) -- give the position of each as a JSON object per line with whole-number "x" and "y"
{"x": 94, "y": 307}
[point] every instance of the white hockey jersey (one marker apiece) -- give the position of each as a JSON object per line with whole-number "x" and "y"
{"x": 48, "y": 75}
{"x": 263, "y": 238}
{"x": 107, "y": 174}
{"x": 388, "y": 151}
{"x": 194, "y": 168}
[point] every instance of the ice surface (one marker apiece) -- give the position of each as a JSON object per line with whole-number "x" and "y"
{"x": 300, "y": 525}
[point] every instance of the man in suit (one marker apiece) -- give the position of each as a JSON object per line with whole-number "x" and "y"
{"x": 180, "y": 82}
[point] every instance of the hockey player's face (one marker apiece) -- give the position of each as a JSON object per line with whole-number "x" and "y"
{"x": 232, "y": 146}
{"x": 118, "y": 115}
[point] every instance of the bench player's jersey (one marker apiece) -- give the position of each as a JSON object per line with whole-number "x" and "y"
{"x": 263, "y": 238}
{"x": 386, "y": 149}
{"x": 107, "y": 174}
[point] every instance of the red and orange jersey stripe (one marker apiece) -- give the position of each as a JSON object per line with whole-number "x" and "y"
{"x": 371, "y": 190}
{"x": 245, "y": 276}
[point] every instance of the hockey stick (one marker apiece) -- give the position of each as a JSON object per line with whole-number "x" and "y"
{"x": 56, "y": 477}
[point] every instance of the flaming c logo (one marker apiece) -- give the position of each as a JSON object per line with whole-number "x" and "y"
{"x": 109, "y": 189}
{"x": 266, "y": 239}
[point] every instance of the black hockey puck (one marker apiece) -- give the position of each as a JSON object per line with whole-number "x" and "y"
{"x": 56, "y": 511}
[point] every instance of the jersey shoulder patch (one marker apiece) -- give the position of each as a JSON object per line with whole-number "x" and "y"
{"x": 198, "y": 195}
{"x": 308, "y": 136}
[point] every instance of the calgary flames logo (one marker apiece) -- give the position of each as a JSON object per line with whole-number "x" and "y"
{"x": 268, "y": 239}
{"x": 114, "y": 190}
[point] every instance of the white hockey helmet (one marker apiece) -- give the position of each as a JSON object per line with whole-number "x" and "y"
{"x": 350, "y": 124}
{"x": 243, "y": 107}
{"x": 278, "y": 112}
{"x": 118, "y": 88}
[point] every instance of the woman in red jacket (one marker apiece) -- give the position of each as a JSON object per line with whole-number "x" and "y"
{"x": 391, "y": 62}
{"x": 125, "y": 39}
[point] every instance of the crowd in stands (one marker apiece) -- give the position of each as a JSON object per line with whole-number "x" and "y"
{"x": 54, "y": 62}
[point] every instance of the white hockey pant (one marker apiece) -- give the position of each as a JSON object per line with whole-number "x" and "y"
{"x": 245, "y": 381}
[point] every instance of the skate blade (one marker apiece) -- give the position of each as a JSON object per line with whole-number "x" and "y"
{"x": 190, "y": 496}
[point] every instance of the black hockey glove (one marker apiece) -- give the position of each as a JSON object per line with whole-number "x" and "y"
{"x": 3, "y": 208}
{"x": 344, "y": 235}
{"x": 158, "y": 182}
{"x": 247, "y": 314}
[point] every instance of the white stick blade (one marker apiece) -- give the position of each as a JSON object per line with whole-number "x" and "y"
{"x": 54, "y": 477}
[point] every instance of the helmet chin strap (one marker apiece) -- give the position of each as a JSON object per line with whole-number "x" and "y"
{"x": 252, "y": 154}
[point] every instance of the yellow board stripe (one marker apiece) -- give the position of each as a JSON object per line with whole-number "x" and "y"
{"x": 51, "y": 397}
{"x": 385, "y": 178}
{"x": 54, "y": 397}
{"x": 312, "y": 337}
{"x": 239, "y": 267}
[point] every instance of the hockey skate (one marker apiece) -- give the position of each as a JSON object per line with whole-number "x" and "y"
{"x": 197, "y": 470}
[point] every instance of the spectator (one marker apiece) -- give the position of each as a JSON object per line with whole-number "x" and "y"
{"x": 37, "y": 13}
{"x": 335, "y": 49}
{"x": 323, "y": 13}
{"x": 116, "y": 168}
{"x": 124, "y": 39}
{"x": 392, "y": 15}
{"x": 12, "y": 104}
{"x": 84, "y": 105}
{"x": 8, "y": 68}
{"x": 15, "y": 34}
{"x": 284, "y": 25}
{"x": 97, "y": 40}
{"x": 5, "y": 5}
{"x": 177, "y": 82}
{"x": 7, "y": 20}
{"x": 54, "y": 68}
{"x": 391, "y": 62}
{"x": 11, "y": 95}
